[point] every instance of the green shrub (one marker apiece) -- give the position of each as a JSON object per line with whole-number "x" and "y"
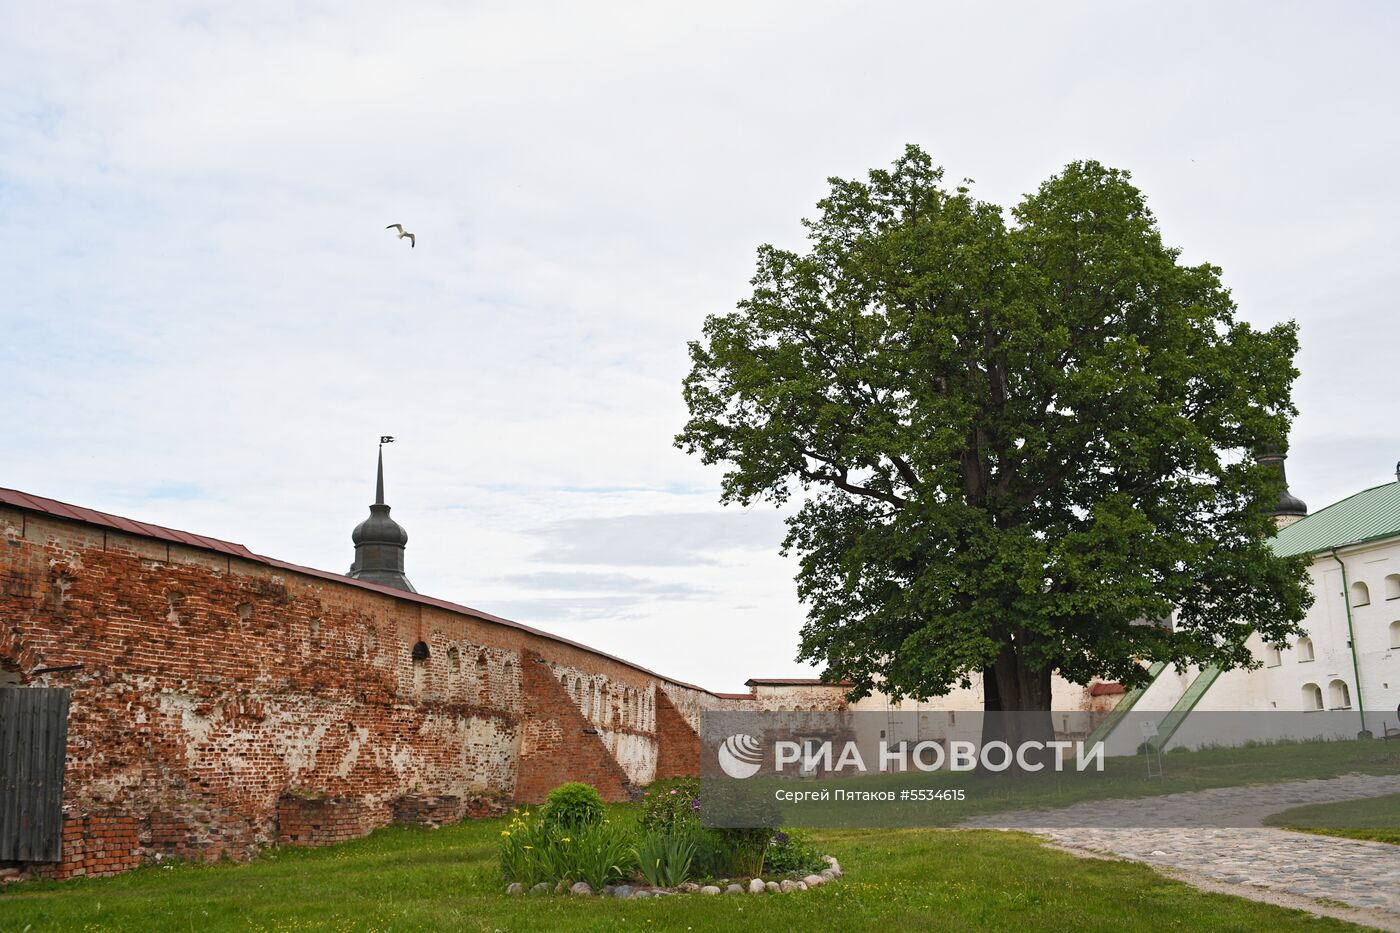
{"x": 574, "y": 805}
{"x": 748, "y": 848}
{"x": 600, "y": 854}
{"x": 666, "y": 859}
{"x": 534, "y": 849}
{"x": 671, "y": 804}
{"x": 524, "y": 850}
{"x": 712, "y": 856}
{"x": 790, "y": 852}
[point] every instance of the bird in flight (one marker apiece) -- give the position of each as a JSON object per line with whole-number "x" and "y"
{"x": 412, "y": 240}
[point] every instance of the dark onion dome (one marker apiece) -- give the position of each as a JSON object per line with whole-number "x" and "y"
{"x": 379, "y": 543}
{"x": 1287, "y": 504}
{"x": 379, "y": 528}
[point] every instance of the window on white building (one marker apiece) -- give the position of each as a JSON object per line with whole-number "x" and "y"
{"x": 1392, "y": 586}
{"x": 1395, "y": 634}
{"x": 1272, "y": 656}
{"x": 1312, "y": 697}
{"x": 1341, "y": 696}
{"x": 1305, "y": 649}
{"x": 1360, "y": 594}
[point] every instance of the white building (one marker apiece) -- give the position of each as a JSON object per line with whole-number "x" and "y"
{"x": 1348, "y": 658}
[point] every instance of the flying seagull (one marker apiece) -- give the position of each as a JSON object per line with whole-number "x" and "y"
{"x": 412, "y": 240}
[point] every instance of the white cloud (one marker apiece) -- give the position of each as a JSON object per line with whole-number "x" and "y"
{"x": 206, "y": 325}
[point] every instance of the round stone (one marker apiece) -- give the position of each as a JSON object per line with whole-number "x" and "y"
{"x": 812, "y": 881}
{"x": 515, "y": 887}
{"x": 787, "y": 886}
{"x": 756, "y": 886}
{"x": 541, "y": 888}
{"x": 734, "y": 889}
{"x": 582, "y": 889}
{"x": 772, "y": 887}
{"x": 709, "y": 889}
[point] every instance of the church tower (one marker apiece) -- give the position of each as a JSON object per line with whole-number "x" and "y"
{"x": 379, "y": 542}
{"x": 1289, "y": 507}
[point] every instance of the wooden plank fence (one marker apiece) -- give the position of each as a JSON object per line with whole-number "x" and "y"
{"x": 33, "y": 746}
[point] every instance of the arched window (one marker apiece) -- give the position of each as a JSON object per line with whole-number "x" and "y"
{"x": 622, "y": 708}
{"x": 1340, "y": 695}
{"x": 1360, "y": 594}
{"x": 586, "y": 701}
{"x": 1312, "y": 697}
{"x": 1395, "y": 634}
{"x": 1392, "y": 586}
{"x": 483, "y": 678}
{"x": 454, "y": 660}
{"x": 507, "y": 681}
{"x": 1272, "y": 656}
{"x": 420, "y": 652}
{"x": 1305, "y": 649}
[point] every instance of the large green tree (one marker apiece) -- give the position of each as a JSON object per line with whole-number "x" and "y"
{"x": 1015, "y": 439}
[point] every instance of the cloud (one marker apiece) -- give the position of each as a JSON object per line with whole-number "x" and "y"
{"x": 659, "y": 540}
{"x": 205, "y": 324}
{"x": 635, "y": 587}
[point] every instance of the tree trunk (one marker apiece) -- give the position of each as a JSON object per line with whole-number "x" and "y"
{"x": 1016, "y": 706}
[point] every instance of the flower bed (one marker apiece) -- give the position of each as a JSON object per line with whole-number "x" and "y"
{"x": 570, "y": 846}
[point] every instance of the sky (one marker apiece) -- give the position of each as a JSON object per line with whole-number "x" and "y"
{"x": 204, "y": 323}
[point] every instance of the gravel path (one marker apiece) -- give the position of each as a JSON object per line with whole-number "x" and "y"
{"x": 1215, "y": 837}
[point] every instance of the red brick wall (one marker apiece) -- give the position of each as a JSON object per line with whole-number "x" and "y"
{"x": 320, "y": 822}
{"x": 558, "y": 744}
{"x": 212, "y": 688}
{"x": 677, "y": 744}
{"x": 96, "y": 844}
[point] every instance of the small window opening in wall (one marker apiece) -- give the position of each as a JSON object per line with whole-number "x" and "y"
{"x": 420, "y": 652}
{"x": 1341, "y": 695}
{"x": 1272, "y": 656}
{"x": 1305, "y": 649}
{"x": 1360, "y": 594}
{"x": 454, "y": 659}
{"x": 1312, "y": 697}
{"x": 1395, "y": 634}
{"x": 1392, "y": 586}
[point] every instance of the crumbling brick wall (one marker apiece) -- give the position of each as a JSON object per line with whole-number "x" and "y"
{"x": 213, "y": 689}
{"x": 558, "y": 744}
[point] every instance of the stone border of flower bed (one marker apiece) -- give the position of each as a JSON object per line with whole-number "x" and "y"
{"x": 635, "y": 892}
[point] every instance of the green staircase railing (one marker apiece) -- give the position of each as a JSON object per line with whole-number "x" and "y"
{"x": 1124, "y": 705}
{"x": 1173, "y": 720}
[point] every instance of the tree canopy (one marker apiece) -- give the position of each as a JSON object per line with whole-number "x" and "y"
{"x": 1015, "y": 437}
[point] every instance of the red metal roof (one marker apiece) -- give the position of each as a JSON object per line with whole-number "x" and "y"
{"x": 52, "y": 507}
{"x": 1106, "y": 690}
{"x": 793, "y": 682}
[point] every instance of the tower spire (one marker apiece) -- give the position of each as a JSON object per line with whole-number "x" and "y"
{"x": 379, "y": 540}
{"x": 379, "y": 480}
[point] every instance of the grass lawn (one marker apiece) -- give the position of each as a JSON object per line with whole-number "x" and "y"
{"x": 1375, "y": 818}
{"x": 413, "y": 879}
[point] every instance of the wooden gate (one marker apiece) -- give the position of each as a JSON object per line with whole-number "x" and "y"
{"x": 33, "y": 745}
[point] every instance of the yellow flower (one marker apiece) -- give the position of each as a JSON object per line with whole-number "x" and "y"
{"x": 527, "y": 812}
{"x": 566, "y": 839}
{"x": 505, "y": 832}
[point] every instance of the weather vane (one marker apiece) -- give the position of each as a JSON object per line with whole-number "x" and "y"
{"x": 385, "y": 439}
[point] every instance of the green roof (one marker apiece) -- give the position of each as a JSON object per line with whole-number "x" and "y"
{"x": 1370, "y": 514}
